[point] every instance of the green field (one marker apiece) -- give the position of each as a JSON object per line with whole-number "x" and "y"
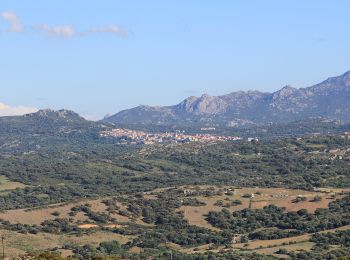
{"x": 6, "y": 184}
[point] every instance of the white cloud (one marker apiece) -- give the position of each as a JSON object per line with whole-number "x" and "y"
{"x": 68, "y": 31}
{"x": 65, "y": 31}
{"x": 62, "y": 31}
{"x": 6, "y": 110}
{"x": 13, "y": 19}
{"x": 110, "y": 28}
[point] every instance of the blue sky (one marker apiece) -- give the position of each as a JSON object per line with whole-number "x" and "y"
{"x": 99, "y": 57}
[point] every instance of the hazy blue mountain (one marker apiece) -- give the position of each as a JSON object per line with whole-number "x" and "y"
{"x": 328, "y": 99}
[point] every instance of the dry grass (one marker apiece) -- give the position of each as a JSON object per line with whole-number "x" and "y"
{"x": 16, "y": 243}
{"x": 269, "y": 196}
{"x": 284, "y": 198}
{"x": 114, "y": 226}
{"x": 196, "y": 215}
{"x": 267, "y": 247}
{"x": 37, "y": 216}
{"x": 307, "y": 246}
{"x": 81, "y": 217}
{"x": 256, "y": 244}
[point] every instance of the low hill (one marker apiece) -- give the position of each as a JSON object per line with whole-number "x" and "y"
{"x": 46, "y": 129}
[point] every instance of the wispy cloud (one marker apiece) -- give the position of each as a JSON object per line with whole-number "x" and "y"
{"x": 15, "y": 24}
{"x": 68, "y": 31}
{"x": 110, "y": 28}
{"x": 6, "y": 110}
{"x": 64, "y": 31}
{"x": 61, "y": 31}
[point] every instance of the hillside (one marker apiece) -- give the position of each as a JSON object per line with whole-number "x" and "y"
{"x": 329, "y": 99}
{"x": 46, "y": 129}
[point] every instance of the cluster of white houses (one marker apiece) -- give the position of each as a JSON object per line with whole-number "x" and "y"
{"x": 168, "y": 137}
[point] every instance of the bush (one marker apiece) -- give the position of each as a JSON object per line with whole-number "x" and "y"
{"x": 282, "y": 251}
{"x": 55, "y": 213}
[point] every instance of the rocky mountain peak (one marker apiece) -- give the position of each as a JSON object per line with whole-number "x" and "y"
{"x": 328, "y": 99}
{"x": 204, "y": 104}
{"x": 284, "y": 92}
{"x": 346, "y": 78}
{"x": 62, "y": 114}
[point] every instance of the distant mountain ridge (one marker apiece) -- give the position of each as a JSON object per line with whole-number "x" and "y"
{"x": 48, "y": 130}
{"x": 328, "y": 99}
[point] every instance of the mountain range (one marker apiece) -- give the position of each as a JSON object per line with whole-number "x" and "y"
{"x": 329, "y": 99}
{"x": 47, "y": 131}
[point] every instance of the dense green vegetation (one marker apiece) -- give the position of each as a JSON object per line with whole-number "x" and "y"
{"x": 60, "y": 175}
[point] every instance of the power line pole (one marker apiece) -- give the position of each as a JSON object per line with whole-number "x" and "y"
{"x": 3, "y": 247}
{"x": 167, "y": 247}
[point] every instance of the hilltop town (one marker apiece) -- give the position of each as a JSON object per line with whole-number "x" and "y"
{"x": 140, "y": 137}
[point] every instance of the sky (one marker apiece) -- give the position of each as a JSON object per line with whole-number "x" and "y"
{"x": 98, "y": 57}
